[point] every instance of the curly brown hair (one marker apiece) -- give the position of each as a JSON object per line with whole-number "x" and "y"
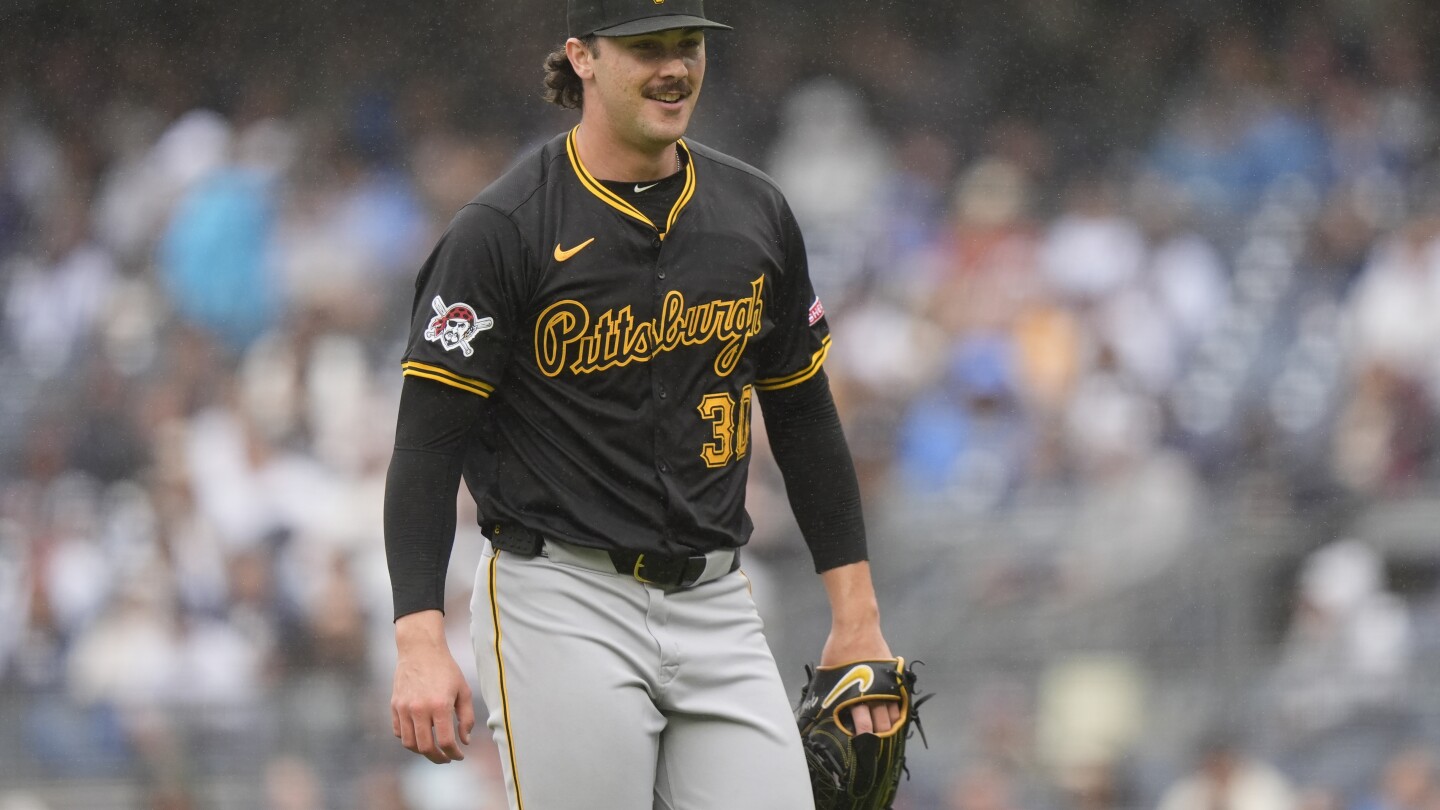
{"x": 562, "y": 86}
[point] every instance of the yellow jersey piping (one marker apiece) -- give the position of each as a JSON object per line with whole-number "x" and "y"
{"x": 685, "y": 193}
{"x": 816, "y": 361}
{"x": 619, "y": 203}
{"x": 450, "y": 378}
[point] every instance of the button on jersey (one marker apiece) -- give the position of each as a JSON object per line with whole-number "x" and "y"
{"x": 622, "y": 354}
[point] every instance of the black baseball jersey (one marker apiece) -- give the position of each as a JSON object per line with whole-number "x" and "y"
{"x": 621, "y": 355}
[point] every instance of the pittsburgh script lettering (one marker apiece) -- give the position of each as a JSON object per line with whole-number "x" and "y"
{"x": 567, "y": 337}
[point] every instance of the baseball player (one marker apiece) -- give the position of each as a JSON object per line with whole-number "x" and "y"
{"x": 588, "y": 340}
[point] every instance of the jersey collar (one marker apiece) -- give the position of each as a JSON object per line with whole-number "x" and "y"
{"x": 619, "y": 203}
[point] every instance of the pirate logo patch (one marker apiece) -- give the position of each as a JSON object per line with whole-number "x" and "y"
{"x": 455, "y": 325}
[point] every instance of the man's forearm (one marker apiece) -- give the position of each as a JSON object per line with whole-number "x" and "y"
{"x": 420, "y": 489}
{"x": 814, "y": 458}
{"x": 431, "y": 436}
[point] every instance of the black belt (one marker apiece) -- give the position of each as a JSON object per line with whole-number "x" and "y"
{"x": 651, "y": 568}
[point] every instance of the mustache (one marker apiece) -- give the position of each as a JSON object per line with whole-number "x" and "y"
{"x": 681, "y": 86}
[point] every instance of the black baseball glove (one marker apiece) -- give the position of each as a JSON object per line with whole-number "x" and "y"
{"x": 849, "y": 771}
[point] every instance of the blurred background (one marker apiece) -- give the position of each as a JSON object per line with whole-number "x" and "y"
{"x": 1137, "y": 342}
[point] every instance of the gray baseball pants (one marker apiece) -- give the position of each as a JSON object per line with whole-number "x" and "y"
{"x": 606, "y": 693}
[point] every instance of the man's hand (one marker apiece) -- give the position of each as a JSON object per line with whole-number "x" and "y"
{"x": 855, "y": 636}
{"x": 844, "y": 647}
{"x": 430, "y": 692}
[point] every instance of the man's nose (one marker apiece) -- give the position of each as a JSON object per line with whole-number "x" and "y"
{"x": 674, "y": 67}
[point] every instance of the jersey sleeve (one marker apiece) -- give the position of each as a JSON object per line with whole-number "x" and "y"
{"x": 810, "y": 449}
{"x": 795, "y": 351}
{"x": 434, "y": 431}
{"x": 467, "y": 302}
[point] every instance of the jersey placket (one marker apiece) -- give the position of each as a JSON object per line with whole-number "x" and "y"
{"x": 661, "y": 392}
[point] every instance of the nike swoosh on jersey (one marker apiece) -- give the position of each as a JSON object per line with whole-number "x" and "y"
{"x": 639, "y": 188}
{"x": 564, "y": 255}
{"x": 863, "y": 675}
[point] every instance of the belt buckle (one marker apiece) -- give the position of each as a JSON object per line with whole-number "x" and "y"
{"x": 640, "y": 566}
{"x": 670, "y": 572}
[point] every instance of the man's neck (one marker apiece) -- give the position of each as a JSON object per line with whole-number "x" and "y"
{"x": 608, "y": 158}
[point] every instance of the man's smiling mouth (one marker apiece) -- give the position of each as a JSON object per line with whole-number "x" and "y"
{"x": 670, "y": 96}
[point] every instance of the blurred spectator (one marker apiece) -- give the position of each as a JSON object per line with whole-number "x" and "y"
{"x": 983, "y": 787}
{"x": 831, "y": 162}
{"x": 1406, "y": 118}
{"x": 911, "y": 216}
{"x": 986, "y": 260}
{"x": 1185, "y": 275}
{"x": 1341, "y": 685}
{"x": 1094, "y": 786}
{"x": 884, "y": 354}
{"x": 129, "y": 658}
{"x": 1234, "y": 133}
{"x": 1347, "y": 650}
{"x": 1092, "y": 250}
{"x": 1394, "y": 301}
{"x": 220, "y": 672}
{"x": 1088, "y": 722}
{"x": 292, "y": 784}
{"x": 381, "y": 790}
{"x": 1226, "y": 776}
{"x": 337, "y": 621}
{"x": 215, "y": 255}
{"x": 1406, "y": 783}
{"x": 966, "y": 439}
{"x": 352, "y": 227}
{"x": 59, "y": 298}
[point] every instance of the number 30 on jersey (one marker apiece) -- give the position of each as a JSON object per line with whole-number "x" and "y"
{"x": 730, "y": 427}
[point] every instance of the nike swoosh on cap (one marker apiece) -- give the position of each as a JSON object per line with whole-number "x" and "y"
{"x": 563, "y": 255}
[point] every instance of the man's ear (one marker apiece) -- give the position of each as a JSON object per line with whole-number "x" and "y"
{"x": 580, "y": 56}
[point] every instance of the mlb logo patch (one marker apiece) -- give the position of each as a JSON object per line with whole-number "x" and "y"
{"x": 817, "y": 311}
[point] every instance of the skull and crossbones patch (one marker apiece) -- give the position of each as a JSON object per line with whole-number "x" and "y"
{"x": 455, "y": 325}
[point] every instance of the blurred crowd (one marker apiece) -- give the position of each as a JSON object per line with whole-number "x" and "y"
{"x": 1153, "y": 278}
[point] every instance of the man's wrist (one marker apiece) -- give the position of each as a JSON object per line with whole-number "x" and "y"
{"x": 854, "y": 618}
{"x": 423, "y": 628}
{"x": 854, "y": 608}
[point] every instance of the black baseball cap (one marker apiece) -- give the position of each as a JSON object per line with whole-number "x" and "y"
{"x": 626, "y": 18}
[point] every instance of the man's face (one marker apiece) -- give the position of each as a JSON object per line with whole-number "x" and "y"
{"x": 645, "y": 87}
